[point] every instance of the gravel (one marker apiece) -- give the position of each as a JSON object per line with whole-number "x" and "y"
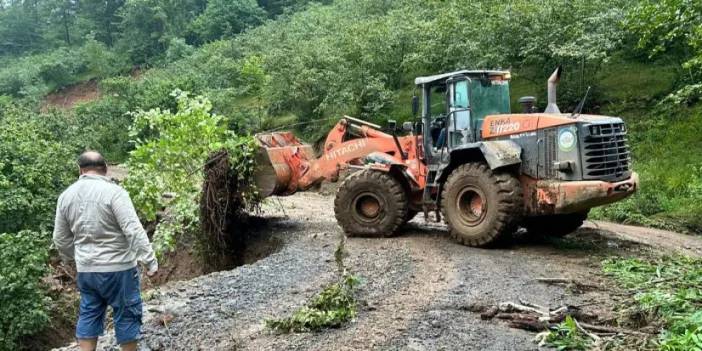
{"x": 417, "y": 290}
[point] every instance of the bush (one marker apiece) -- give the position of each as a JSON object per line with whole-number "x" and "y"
{"x": 102, "y": 125}
{"x": 102, "y": 62}
{"x": 35, "y": 167}
{"x": 171, "y": 150}
{"x": 332, "y": 307}
{"x": 36, "y": 75}
{"x": 666, "y": 289}
{"x": 567, "y": 336}
{"x": 178, "y": 49}
{"x": 23, "y": 257}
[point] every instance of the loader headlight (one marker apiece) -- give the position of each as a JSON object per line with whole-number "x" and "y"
{"x": 566, "y": 139}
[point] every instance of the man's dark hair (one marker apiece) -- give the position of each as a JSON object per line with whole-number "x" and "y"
{"x": 92, "y": 160}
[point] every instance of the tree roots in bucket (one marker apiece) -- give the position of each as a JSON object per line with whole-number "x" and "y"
{"x": 222, "y": 213}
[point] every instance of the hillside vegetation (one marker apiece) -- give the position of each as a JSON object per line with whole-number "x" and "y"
{"x": 275, "y": 63}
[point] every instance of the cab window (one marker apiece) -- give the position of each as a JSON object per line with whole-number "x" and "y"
{"x": 461, "y": 95}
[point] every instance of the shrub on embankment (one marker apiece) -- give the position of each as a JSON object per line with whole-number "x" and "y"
{"x": 35, "y": 166}
{"x": 171, "y": 152}
{"x": 23, "y": 301}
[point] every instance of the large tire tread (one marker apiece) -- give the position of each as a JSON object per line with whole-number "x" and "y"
{"x": 509, "y": 203}
{"x": 392, "y": 191}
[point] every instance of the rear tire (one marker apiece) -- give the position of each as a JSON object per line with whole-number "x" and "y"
{"x": 370, "y": 203}
{"x": 479, "y": 205}
{"x": 555, "y": 225}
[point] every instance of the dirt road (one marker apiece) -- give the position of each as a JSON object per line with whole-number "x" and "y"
{"x": 419, "y": 290}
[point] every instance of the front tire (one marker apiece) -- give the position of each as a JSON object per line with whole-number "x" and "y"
{"x": 555, "y": 225}
{"x": 480, "y": 205}
{"x": 370, "y": 203}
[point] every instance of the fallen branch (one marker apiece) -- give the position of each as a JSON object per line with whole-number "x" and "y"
{"x": 529, "y": 304}
{"x": 567, "y": 281}
{"x": 512, "y": 307}
{"x": 601, "y": 329}
{"x": 532, "y": 317}
{"x": 596, "y": 339}
{"x": 555, "y": 280}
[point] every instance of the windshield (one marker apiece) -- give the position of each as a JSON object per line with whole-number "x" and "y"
{"x": 488, "y": 99}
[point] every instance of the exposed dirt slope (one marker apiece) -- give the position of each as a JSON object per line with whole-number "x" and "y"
{"x": 418, "y": 289}
{"x": 68, "y": 97}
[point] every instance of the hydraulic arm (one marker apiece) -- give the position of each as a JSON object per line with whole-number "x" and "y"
{"x": 286, "y": 165}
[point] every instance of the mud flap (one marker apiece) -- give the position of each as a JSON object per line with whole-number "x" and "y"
{"x": 385, "y": 162}
{"x": 501, "y": 153}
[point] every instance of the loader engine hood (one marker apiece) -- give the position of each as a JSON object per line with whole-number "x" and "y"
{"x": 561, "y": 147}
{"x": 504, "y": 125}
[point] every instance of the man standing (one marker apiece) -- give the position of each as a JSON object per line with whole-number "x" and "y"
{"x": 96, "y": 225}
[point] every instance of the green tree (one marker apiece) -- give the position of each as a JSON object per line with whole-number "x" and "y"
{"x": 143, "y": 25}
{"x": 225, "y": 18}
{"x": 150, "y": 27}
{"x": 61, "y": 16}
{"x": 101, "y": 61}
{"x": 101, "y": 17}
{"x": 278, "y": 7}
{"x": 20, "y": 27}
{"x": 672, "y": 28}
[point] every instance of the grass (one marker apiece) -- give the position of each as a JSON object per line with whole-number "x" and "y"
{"x": 666, "y": 155}
{"x": 662, "y": 301}
{"x": 665, "y": 293}
{"x": 626, "y": 80}
{"x": 567, "y": 336}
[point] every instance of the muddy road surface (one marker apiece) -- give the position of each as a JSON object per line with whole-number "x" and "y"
{"x": 419, "y": 290}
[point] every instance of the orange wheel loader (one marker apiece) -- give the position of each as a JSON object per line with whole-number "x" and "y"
{"x": 468, "y": 159}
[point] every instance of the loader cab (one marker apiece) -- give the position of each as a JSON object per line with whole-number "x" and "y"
{"x": 455, "y": 104}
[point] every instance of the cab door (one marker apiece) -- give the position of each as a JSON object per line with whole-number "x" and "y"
{"x": 459, "y": 111}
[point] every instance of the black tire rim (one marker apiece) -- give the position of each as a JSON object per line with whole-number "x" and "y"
{"x": 471, "y": 205}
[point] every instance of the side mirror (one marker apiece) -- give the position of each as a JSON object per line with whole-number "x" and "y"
{"x": 415, "y": 105}
{"x": 407, "y": 126}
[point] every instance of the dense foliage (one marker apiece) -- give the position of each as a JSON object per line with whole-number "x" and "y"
{"x": 665, "y": 135}
{"x": 135, "y": 25}
{"x": 34, "y": 168}
{"x": 23, "y": 258}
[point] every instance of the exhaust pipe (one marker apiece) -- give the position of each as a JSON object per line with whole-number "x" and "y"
{"x": 552, "y": 107}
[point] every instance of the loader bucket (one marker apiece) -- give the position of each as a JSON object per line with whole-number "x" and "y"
{"x": 280, "y": 162}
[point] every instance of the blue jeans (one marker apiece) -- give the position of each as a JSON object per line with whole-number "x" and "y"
{"x": 120, "y": 290}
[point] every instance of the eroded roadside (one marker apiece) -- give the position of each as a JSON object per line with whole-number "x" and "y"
{"x": 420, "y": 290}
